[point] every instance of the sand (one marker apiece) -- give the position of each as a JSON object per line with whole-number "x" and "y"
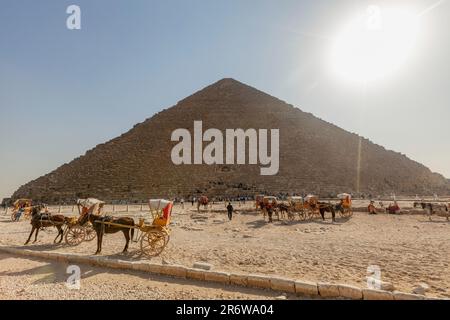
{"x": 33, "y": 279}
{"x": 409, "y": 249}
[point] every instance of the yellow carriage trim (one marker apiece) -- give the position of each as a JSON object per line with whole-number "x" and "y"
{"x": 346, "y": 199}
{"x": 72, "y": 220}
{"x": 311, "y": 199}
{"x": 22, "y": 202}
{"x": 161, "y": 211}
{"x": 296, "y": 202}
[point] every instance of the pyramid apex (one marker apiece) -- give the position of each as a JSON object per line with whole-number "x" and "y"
{"x": 229, "y": 81}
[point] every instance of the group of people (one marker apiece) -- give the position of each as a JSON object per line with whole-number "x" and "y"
{"x": 392, "y": 208}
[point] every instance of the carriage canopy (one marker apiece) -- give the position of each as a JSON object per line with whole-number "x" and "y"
{"x": 343, "y": 196}
{"x": 89, "y": 202}
{"x": 158, "y": 204}
{"x": 310, "y": 196}
{"x": 270, "y": 199}
{"x": 161, "y": 210}
{"x": 20, "y": 202}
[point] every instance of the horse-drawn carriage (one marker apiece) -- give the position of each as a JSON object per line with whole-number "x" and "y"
{"x": 153, "y": 235}
{"x": 311, "y": 206}
{"x": 76, "y": 232}
{"x": 259, "y": 201}
{"x": 345, "y": 205}
{"x": 269, "y": 206}
{"x": 21, "y": 207}
{"x": 297, "y": 205}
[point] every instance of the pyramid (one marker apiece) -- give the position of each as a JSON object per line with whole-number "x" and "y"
{"x": 315, "y": 157}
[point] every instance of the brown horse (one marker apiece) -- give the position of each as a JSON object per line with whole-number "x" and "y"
{"x": 101, "y": 228}
{"x": 269, "y": 209}
{"x": 284, "y": 210}
{"x": 202, "y": 201}
{"x": 43, "y": 220}
{"x": 327, "y": 207}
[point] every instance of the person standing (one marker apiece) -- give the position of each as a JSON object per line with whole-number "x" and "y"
{"x": 20, "y": 212}
{"x": 371, "y": 208}
{"x": 182, "y": 203}
{"x": 230, "y": 211}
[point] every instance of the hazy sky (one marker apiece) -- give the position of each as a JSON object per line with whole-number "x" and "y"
{"x": 64, "y": 91}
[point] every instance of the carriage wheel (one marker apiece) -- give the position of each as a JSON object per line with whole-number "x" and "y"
{"x": 90, "y": 232}
{"x": 350, "y": 212}
{"x": 302, "y": 215}
{"x": 346, "y": 213}
{"x": 13, "y": 216}
{"x": 291, "y": 216}
{"x": 75, "y": 235}
{"x": 153, "y": 243}
{"x": 278, "y": 214}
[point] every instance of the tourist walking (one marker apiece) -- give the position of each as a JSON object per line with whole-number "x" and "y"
{"x": 230, "y": 211}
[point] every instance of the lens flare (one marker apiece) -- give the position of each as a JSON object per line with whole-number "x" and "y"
{"x": 375, "y": 45}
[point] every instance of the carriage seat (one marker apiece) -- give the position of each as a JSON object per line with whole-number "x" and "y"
{"x": 347, "y": 203}
{"x": 164, "y": 219}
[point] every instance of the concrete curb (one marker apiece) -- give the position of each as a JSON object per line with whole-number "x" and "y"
{"x": 407, "y": 296}
{"x": 328, "y": 290}
{"x": 282, "y": 284}
{"x": 258, "y": 281}
{"x": 306, "y": 288}
{"x": 372, "y": 294}
{"x": 239, "y": 279}
{"x": 279, "y": 284}
{"x": 350, "y": 292}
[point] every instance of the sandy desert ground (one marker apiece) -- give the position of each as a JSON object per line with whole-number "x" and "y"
{"x": 32, "y": 279}
{"x": 409, "y": 249}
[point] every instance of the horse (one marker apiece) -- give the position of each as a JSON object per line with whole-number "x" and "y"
{"x": 283, "y": 209}
{"x": 327, "y": 207}
{"x": 267, "y": 208}
{"x": 203, "y": 200}
{"x": 100, "y": 228}
{"x": 43, "y": 220}
{"x": 431, "y": 208}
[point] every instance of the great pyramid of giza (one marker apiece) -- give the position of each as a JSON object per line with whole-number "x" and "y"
{"x": 315, "y": 157}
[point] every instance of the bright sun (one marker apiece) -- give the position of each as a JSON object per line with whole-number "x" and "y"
{"x": 374, "y": 45}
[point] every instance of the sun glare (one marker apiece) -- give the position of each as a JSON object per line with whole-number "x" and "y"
{"x": 375, "y": 45}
